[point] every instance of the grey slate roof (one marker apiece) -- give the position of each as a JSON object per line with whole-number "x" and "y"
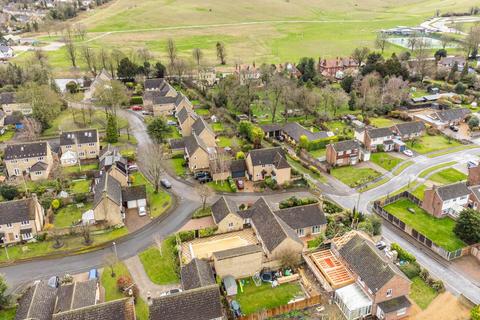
{"x": 394, "y": 304}
{"x": 271, "y": 229}
{"x": 182, "y": 115}
{"x": 453, "y": 114}
{"x": 134, "y": 193}
{"x": 200, "y": 125}
{"x": 154, "y": 84}
{"x": 221, "y": 208}
{"x": 379, "y": 133}
{"x": 176, "y": 144}
{"x": 192, "y": 143}
{"x": 39, "y": 166}
{"x": 453, "y": 191}
{"x": 26, "y": 150}
{"x": 109, "y": 186}
{"x": 476, "y": 191}
{"x": 362, "y": 257}
{"x": 17, "y": 211}
{"x": 196, "y": 274}
{"x": 121, "y": 309}
{"x": 7, "y": 98}
{"x": 235, "y": 252}
{"x": 38, "y": 303}
{"x": 76, "y": 295}
{"x": 302, "y": 216}
{"x": 346, "y": 145}
{"x": 196, "y": 304}
{"x": 238, "y": 165}
{"x": 271, "y": 127}
{"x": 12, "y": 119}
{"x": 409, "y": 128}
{"x": 295, "y": 131}
{"x": 82, "y": 136}
{"x": 266, "y": 156}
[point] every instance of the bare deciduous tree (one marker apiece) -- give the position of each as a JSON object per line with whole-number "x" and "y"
{"x": 359, "y": 55}
{"x": 395, "y": 91}
{"x": 144, "y": 55}
{"x": 221, "y": 53}
{"x": 422, "y": 59}
{"x": 412, "y": 42}
{"x": 204, "y": 192}
{"x": 471, "y": 41}
{"x": 381, "y": 41}
{"x": 369, "y": 89}
{"x": 86, "y": 233}
{"x": 171, "y": 52}
{"x": 70, "y": 46}
{"x": 197, "y": 56}
{"x": 445, "y": 40}
{"x": 81, "y": 31}
{"x": 90, "y": 59}
{"x": 31, "y": 129}
{"x": 150, "y": 159}
{"x": 276, "y": 87}
{"x": 110, "y": 260}
{"x": 289, "y": 258}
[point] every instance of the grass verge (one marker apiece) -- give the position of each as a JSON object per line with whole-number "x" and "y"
{"x": 402, "y": 167}
{"x": 385, "y": 160}
{"x": 161, "y": 267}
{"x": 426, "y": 172}
{"x": 354, "y": 176}
{"x": 158, "y": 202}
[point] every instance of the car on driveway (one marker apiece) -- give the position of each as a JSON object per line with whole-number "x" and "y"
{"x": 165, "y": 183}
{"x": 200, "y": 174}
{"x": 408, "y": 153}
{"x": 142, "y": 211}
{"x": 137, "y": 108}
{"x": 133, "y": 167}
{"x": 205, "y": 179}
{"x": 170, "y": 292}
{"x": 240, "y": 184}
{"x": 454, "y": 128}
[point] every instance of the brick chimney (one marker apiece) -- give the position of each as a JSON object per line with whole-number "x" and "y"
{"x": 474, "y": 175}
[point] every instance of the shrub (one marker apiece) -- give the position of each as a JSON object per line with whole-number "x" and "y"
{"x": 232, "y": 184}
{"x": 80, "y": 197}
{"x": 55, "y": 204}
{"x": 438, "y": 286}
{"x": 315, "y": 243}
{"x": 186, "y": 235}
{"x": 136, "y": 100}
{"x": 402, "y": 253}
{"x": 8, "y": 192}
{"x": 124, "y": 282}
{"x": 295, "y": 202}
{"x": 240, "y": 155}
{"x": 366, "y": 226}
{"x": 321, "y": 143}
{"x": 460, "y": 88}
{"x": 475, "y": 313}
{"x": 207, "y": 232}
{"x": 271, "y": 183}
{"x": 424, "y": 274}
{"x": 331, "y": 208}
{"x": 411, "y": 270}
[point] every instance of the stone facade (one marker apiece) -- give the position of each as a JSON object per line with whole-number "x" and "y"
{"x": 15, "y": 167}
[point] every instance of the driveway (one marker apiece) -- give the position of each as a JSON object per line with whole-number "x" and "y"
{"x": 133, "y": 221}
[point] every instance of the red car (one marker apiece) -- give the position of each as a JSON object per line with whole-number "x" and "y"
{"x": 240, "y": 185}
{"x": 137, "y": 108}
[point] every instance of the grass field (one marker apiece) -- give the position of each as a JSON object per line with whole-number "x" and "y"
{"x": 271, "y": 31}
{"x": 353, "y": 176}
{"x": 447, "y": 176}
{"x": 385, "y": 160}
{"x": 161, "y": 267}
{"x": 439, "y": 231}
{"x": 428, "y": 144}
{"x": 318, "y": 153}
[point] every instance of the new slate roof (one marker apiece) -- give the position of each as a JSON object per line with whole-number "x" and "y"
{"x": 200, "y": 125}
{"x": 17, "y": 211}
{"x": 363, "y": 259}
{"x": 453, "y": 191}
{"x": 82, "y": 136}
{"x": 121, "y": 309}
{"x": 134, "y": 193}
{"x": 302, "y": 216}
{"x": 197, "y": 274}
{"x": 295, "y": 131}
{"x": 395, "y": 304}
{"x": 379, "y": 132}
{"x": 409, "y": 128}
{"x": 267, "y": 156}
{"x": 221, "y": 208}
{"x": 26, "y": 150}
{"x": 7, "y": 98}
{"x": 453, "y": 114}
{"x": 235, "y": 252}
{"x": 271, "y": 230}
{"x": 346, "y": 145}
{"x": 37, "y": 303}
{"x": 196, "y": 304}
{"x": 110, "y": 186}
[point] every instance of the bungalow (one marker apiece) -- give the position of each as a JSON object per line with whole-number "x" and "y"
{"x": 185, "y": 120}
{"x": 202, "y": 303}
{"x": 308, "y": 220}
{"x": 9, "y": 104}
{"x": 84, "y": 144}
{"x": 446, "y": 200}
{"x": 33, "y": 158}
{"x": 375, "y": 138}
{"x": 197, "y": 153}
{"x": 204, "y": 132}
{"x": 270, "y": 162}
{"x": 292, "y": 132}
{"x": 20, "y": 220}
{"x": 107, "y": 201}
{"x": 345, "y": 153}
{"x": 441, "y": 120}
{"x": 409, "y": 130}
{"x": 449, "y": 62}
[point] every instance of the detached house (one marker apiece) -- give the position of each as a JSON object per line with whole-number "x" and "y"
{"x": 226, "y": 217}
{"x": 20, "y": 220}
{"x": 345, "y": 153}
{"x": 270, "y": 162}
{"x": 443, "y": 119}
{"x": 107, "y": 201}
{"x": 308, "y": 220}
{"x": 376, "y": 138}
{"x": 446, "y": 200}
{"x": 292, "y": 131}
{"x": 409, "y": 130}
{"x": 10, "y": 105}
{"x": 79, "y": 145}
{"x": 34, "y": 158}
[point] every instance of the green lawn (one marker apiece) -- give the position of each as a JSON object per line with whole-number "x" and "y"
{"x": 8, "y": 314}
{"x": 447, "y": 176}
{"x": 298, "y": 166}
{"x": 123, "y": 140}
{"x": 339, "y": 128}
{"x": 318, "y": 153}
{"x": 421, "y": 293}
{"x": 174, "y": 133}
{"x": 381, "y": 122}
{"x": 158, "y": 202}
{"x": 419, "y": 192}
{"x": 161, "y": 267}
{"x": 68, "y": 215}
{"x": 254, "y": 298}
{"x": 202, "y": 112}
{"x": 76, "y": 168}
{"x": 80, "y": 186}
{"x": 429, "y": 143}
{"x": 7, "y": 136}
{"x": 112, "y": 292}
{"x": 217, "y": 127}
{"x": 426, "y": 172}
{"x": 224, "y": 141}
{"x": 385, "y": 160}
{"x": 439, "y": 231}
{"x": 402, "y": 167}
{"x": 37, "y": 249}
{"x": 452, "y": 150}
{"x": 354, "y": 176}
{"x": 220, "y": 186}
{"x": 178, "y": 167}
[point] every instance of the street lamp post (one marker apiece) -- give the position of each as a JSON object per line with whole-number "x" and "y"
{"x": 115, "y": 249}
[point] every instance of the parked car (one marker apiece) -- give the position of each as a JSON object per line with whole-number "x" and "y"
{"x": 200, "y": 174}
{"x": 146, "y": 113}
{"x": 240, "y": 184}
{"x": 165, "y": 183}
{"x": 137, "y": 108}
{"x": 133, "y": 167}
{"x": 408, "y": 153}
{"x": 380, "y": 245}
{"x": 205, "y": 179}
{"x": 92, "y": 274}
{"x": 170, "y": 292}
{"x": 171, "y": 123}
{"x": 142, "y": 211}
{"x": 454, "y": 128}
{"x": 471, "y": 164}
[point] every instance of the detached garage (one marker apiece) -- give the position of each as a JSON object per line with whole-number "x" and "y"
{"x": 238, "y": 262}
{"x": 134, "y": 197}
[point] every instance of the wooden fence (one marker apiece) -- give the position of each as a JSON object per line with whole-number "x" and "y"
{"x": 298, "y": 305}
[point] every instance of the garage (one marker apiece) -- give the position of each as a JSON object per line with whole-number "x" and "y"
{"x": 134, "y": 197}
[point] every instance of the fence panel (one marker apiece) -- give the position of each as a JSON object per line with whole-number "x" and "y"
{"x": 298, "y": 305}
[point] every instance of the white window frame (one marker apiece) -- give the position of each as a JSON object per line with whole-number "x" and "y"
{"x": 301, "y": 232}
{"x": 316, "y": 229}
{"x": 9, "y": 225}
{"x": 389, "y": 293}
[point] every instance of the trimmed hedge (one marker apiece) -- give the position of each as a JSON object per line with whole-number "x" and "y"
{"x": 321, "y": 143}
{"x": 136, "y": 100}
